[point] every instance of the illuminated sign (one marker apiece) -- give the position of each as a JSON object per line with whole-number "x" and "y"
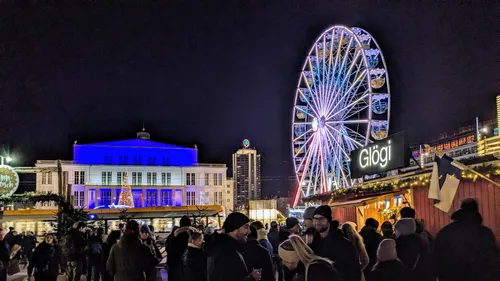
{"x": 9, "y": 180}
{"x": 381, "y": 156}
{"x": 246, "y": 143}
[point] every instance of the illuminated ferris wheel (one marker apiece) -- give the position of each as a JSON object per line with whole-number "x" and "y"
{"x": 342, "y": 103}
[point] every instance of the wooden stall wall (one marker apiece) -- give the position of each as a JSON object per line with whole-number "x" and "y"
{"x": 486, "y": 193}
{"x": 343, "y": 214}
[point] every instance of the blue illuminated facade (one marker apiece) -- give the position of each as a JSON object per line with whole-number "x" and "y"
{"x": 134, "y": 152}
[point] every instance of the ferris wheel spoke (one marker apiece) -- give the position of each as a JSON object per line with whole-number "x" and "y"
{"x": 358, "y": 79}
{"x": 306, "y": 159}
{"x": 314, "y": 108}
{"x": 355, "y": 110}
{"x": 355, "y": 92}
{"x": 331, "y": 101}
{"x": 351, "y": 135}
{"x": 332, "y": 137}
{"x": 360, "y": 121}
{"x": 308, "y": 103}
{"x": 303, "y": 146}
{"x": 338, "y": 72}
{"x": 302, "y": 135}
{"x": 345, "y": 134}
{"x": 348, "y": 107}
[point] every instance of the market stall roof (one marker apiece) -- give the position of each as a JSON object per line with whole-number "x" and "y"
{"x": 368, "y": 200}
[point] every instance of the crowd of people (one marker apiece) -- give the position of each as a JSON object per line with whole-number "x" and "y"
{"x": 244, "y": 250}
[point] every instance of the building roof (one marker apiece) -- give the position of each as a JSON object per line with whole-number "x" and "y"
{"x": 138, "y": 143}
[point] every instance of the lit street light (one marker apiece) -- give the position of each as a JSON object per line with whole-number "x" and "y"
{"x": 5, "y": 159}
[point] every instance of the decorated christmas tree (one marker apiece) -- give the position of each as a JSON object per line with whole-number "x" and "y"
{"x": 126, "y": 198}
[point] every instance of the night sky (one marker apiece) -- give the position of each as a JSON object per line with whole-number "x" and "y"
{"x": 212, "y": 74}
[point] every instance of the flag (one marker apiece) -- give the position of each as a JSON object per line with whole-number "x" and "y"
{"x": 445, "y": 179}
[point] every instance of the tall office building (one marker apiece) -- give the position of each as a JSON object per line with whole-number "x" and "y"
{"x": 246, "y": 176}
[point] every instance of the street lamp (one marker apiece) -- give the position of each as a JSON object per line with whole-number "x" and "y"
{"x": 5, "y": 159}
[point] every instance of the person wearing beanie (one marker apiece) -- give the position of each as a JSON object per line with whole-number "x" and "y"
{"x": 225, "y": 261}
{"x": 465, "y": 248}
{"x": 176, "y": 246}
{"x": 154, "y": 253}
{"x": 129, "y": 259}
{"x": 371, "y": 239}
{"x": 413, "y": 250}
{"x": 388, "y": 267}
{"x": 331, "y": 244}
{"x": 262, "y": 236}
{"x": 308, "y": 218}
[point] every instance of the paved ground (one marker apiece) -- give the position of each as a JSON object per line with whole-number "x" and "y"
{"x": 22, "y": 276}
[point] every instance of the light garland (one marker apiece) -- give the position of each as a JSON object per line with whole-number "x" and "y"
{"x": 396, "y": 185}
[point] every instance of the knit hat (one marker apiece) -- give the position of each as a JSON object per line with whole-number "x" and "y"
{"x": 405, "y": 226}
{"x": 132, "y": 226}
{"x": 185, "y": 221}
{"x": 325, "y": 211}
{"x": 291, "y": 222}
{"x": 234, "y": 221}
{"x": 309, "y": 213}
{"x": 387, "y": 250}
{"x": 145, "y": 229}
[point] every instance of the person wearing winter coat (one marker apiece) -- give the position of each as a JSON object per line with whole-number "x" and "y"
{"x": 413, "y": 250}
{"x": 349, "y": 232}
{"x": 94, "y": 254}
{"x": 371, "y": 240}
{"x": 46, "y": 260}
{"x": 29, "y": 244}
{"x": 176, "y": 245}
{"x": 256, "y": 256}
{"x": 113, "y": 237}
{"x": 4, "y": 256}
{"x": 305, "y": 265}
{"x": 224, "y": 259}
{"x": 129, "y": 259}
{"x": 155, "y": 257}
{"x": 194, "y": 260}
{"x": 262, "y": 236}
{"x": 76, "y": 242}
{"x": 465, "y": 249}
{"x": 387, "y": 230}
{"x": 329, "y": 243}
{"x": 388, "y": 267}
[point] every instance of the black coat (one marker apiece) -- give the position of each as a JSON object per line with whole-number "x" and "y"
{"x": 341, "y": 251}
{"x": 194, "y": 265}
{"x": 317, "y": 271}
{"x": 274, "y": 237}
{"x": 389, "y": 271}
{"x": 414, "y": 253}
{"x": 256, "y": 256}
{"x": 371, "y": 239}
{"x": 466, "y": 250}
{"x": 225, "y": 261}
{"x": 46, "y": 261}
{"x": 106, "y": 249}
{"x": 129, "y": 259}
{"x": 76, "y": 242}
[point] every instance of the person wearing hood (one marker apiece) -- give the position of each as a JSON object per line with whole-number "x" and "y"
{"x": 257, "y": 256}
{"x": 466, "y": 249}
{"x": 129, "y": 259}
{"x": 371, "y": 240}
{"x": 47, "y": 260}
{"x": 329, "y": 243}
{"x": 388, "y": 266}
{"x": 224, "y": 259}
{"x": 413, "y": 250}
{"x": 409, "y": 212}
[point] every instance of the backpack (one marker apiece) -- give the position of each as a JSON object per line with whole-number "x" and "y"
{"x": 95, "y": 248}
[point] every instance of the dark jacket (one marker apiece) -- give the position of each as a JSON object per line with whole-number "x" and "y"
{"x": 341, "y": 251}
{"x": 257, "y": 256}
{"x": 224, "y": 260}
{"x": 29, "y": 243}
{"x": 466, "y": 250}
{"x": 105, "y": 255}
{"x": 129, "y": 259}
{"x": 46, "y": 261}
{"x": 389, "y": 271}
{"x": 371, "y": 239}
{"x": 76, "y": 242}
{"x": 4, "y": 259}
{"x": 95, "y": 250}
{"x": 194, "y": 264}
{"x": 317, "y": 271}
{"x": 414, "y": 253}
{"x": 266, "y": 244}
{"x": 274, "y": 239}
{"x": 155, "y": 258}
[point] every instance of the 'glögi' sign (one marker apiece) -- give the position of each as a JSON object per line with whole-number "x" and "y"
{"x": 9, "y": 180}
{"x": 381, "y": 156}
